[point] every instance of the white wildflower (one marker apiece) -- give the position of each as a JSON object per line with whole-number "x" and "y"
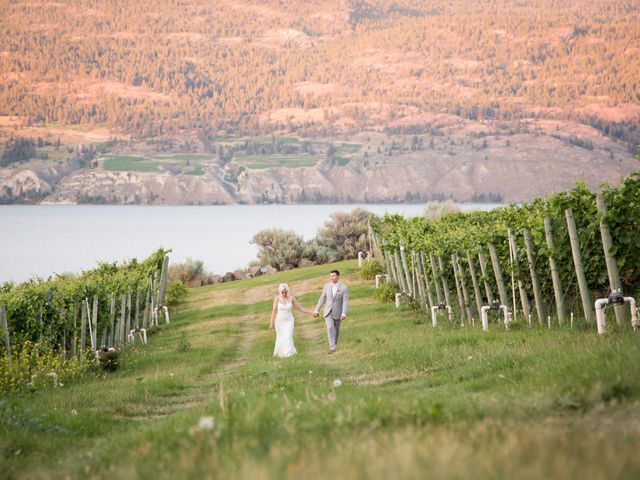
{"x": 74, "y": 412}
{"x": 337, "y": 383}
{"x": 206, "y": 423}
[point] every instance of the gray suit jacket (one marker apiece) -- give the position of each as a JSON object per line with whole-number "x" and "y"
{"x": 336, "y": 307}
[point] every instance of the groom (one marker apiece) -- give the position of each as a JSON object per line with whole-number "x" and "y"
{"x": 335, "y": 297}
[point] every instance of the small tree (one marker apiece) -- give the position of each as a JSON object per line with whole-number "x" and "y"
{"x": 437, "y": 210}
{"x": 279, "y": 248}
{"x": 186, "y": 270}
{"x": 346, "y": 233}
{"x": 320, "y": 253}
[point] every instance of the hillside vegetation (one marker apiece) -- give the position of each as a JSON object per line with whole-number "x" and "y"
{"x": 468, "y": 100}
{"x": 162, "y": 67}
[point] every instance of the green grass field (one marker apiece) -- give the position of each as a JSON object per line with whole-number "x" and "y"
{"x": 415, "y": 402}
{"x": 130, "y": 164}
{"x": 272, "y": 161}
{"x": 190, "y": 163}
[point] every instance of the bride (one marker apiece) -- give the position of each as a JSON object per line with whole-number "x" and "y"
{"x": 282, "y": 317}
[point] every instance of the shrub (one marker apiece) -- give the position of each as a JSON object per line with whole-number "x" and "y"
{"x": 320, "y": 253}
{"x": 437, "y": 210}
{"x": 187, "y": 270}
{"x": 37, "y": 366}
{"x": 176, "y": 293}
{"x": 345, "y": 233}
{"x": 386, "y": 293}
{"x": 183, "y": 343}
{"x": 108, "y": 360}
{"x": 279, "y": 248}
{"x": 370, "y": 269}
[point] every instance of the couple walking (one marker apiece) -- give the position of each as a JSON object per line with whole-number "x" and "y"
{"x": 334, "y": 298}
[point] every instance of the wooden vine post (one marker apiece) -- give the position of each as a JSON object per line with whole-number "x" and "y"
{"x": 74, "y": 337}
{"x": 389, "y": 266}
{"x": 128, "y": 324}
{"x": 163, "y": 282}
{"x": 485, "y": 276}
{"x": 394, "y": 270}
{"x": 112, "y": 319}
{"x": 474, "y": 283}
{"x": 436, "y": 277}
{"x": 463, "y": 287}
{"x": 137, "y": 316}
{"x": 402, "y": 280}
{"x": 147, "y": 307}
{"x": 5, "y": 328}
{"x": 94, "y": 324}
{"x": 419, "y": 277}
{"x": 427, "y": 283}
{"x": 414, "y": 276}
{"x": 377, "y": 251}
{"x": 405, "y": 268}
{"x": 502, "y": 290}
{"x": 458, "y": 290}
{"x": 370, "y": 237}
{"x": 121, "y": 322}
{"x": 555, "y": 276}
{"x": 612, "y": 264}
{"x": 535, "y": 282}
{"x": 445, "y": 283}
{"x": 83, "y": 326}
{"x": 524, "y": 300}
{"x": 585, "y": 295}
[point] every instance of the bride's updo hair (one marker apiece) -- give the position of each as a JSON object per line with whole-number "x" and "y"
{"x": 283, "y": 286}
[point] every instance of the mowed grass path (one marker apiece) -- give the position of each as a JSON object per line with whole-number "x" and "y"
{"x": 415, "y": 402}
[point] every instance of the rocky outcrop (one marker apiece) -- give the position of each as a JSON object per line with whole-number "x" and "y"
{"x": 229, "y": 277}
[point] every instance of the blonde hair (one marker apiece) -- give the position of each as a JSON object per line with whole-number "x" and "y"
{"x": 283, "y": 286}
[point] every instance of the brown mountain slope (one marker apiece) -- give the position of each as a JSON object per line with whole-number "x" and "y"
{"x": 187, "y": 76}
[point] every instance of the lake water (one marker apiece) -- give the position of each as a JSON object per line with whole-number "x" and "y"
{"x": 41, "y": 240}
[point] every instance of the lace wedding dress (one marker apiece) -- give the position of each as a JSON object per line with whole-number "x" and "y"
{"x": 284, "y": 331}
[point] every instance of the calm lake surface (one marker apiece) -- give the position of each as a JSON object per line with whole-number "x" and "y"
{"x": 41, "y": 240}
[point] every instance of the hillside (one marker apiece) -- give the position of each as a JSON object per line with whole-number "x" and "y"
{"x": 476, "y": 162}
{"x": 412, "y": 400}
{"x": 549, "y": 84}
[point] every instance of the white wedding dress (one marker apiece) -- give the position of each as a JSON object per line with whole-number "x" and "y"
{"x": 284, "y": 331}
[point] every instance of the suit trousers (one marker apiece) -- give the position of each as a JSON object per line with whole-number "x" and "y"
{"x": 333, "y": 330}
